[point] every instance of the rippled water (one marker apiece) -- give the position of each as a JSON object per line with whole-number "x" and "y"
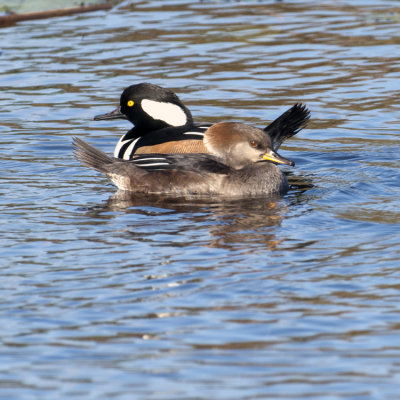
{"x": 290, "y": 298}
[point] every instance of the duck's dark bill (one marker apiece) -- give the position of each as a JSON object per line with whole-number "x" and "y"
{"x": 276, "y": 158}
{"x": 116, "y": 114}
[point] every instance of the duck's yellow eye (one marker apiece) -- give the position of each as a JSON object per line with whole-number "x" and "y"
{"x": 130, "y": 103}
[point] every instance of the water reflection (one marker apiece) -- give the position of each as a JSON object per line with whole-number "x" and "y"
{"x": 230, "y": 223}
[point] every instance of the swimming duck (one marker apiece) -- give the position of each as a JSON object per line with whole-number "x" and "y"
{"x": 162, "y": 123}
{"x": 240, "y": 161}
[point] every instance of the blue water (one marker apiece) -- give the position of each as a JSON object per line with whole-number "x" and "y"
{"x": 104, "y": 297}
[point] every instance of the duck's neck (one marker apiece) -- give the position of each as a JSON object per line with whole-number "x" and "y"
{"x": 133, "y": 133}
{"x": 259, "y": 179}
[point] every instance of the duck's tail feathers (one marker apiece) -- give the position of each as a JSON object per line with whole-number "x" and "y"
{"x": 288, "y": 124}
{"x": 92, "y": 157}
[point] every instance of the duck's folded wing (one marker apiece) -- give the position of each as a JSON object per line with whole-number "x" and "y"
{"x": 199, "y": 163}
{"x": 156, "y": 173}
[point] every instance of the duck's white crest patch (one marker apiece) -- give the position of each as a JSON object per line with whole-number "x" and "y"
{"x": 170, "y": 113}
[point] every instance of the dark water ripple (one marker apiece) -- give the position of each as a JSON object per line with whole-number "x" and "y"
{"x": 105, "y": 296}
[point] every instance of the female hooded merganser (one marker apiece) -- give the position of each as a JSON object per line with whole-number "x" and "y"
{"x": 241, "y": 162}
{"x": 162, "y": 124}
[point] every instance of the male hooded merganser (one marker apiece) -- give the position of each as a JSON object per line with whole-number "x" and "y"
{"x": 162, "y": 124}
{"x": 241, "y": 161}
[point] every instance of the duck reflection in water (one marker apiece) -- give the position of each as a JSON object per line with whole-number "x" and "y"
{"x": 229, "y": 223}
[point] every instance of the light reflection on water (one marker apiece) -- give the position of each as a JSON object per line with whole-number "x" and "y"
{"x": 293, "y": 297}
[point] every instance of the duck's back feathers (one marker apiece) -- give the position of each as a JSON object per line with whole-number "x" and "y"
{"x": 182, "y": 162}
{"x": 171, "y": 140}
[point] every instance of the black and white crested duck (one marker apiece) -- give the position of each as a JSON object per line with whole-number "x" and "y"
{"x": 163, "y": 124}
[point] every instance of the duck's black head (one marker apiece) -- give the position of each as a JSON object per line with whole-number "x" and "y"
{"x": 150, "y": 107}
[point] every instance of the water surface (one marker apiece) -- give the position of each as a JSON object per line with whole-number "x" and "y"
{"x": 296, "y": 297}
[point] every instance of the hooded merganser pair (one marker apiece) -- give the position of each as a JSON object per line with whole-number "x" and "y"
{"x": 227, "y": 158}
{"x": 162, "y": 123}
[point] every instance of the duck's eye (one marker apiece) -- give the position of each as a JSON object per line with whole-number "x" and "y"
{"x": 130, "y": 103}
{"x": 253, "y": 143}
